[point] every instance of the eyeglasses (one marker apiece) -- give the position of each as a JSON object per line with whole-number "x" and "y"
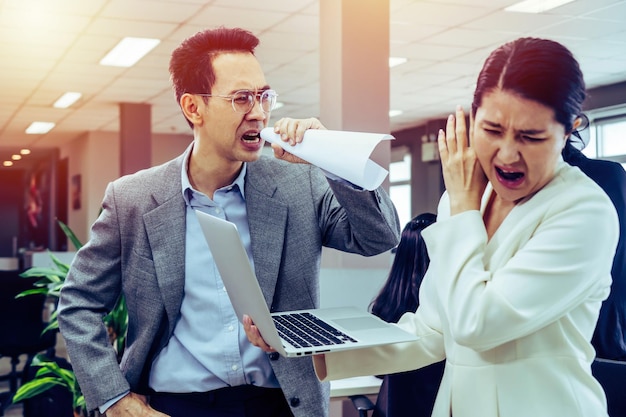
{"x": 243, "y": 100}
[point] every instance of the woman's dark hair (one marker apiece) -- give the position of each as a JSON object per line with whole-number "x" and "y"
{"x": 191, "y": 63}
{"x": 400, "y": 292}
{"x": 536, "y": 69}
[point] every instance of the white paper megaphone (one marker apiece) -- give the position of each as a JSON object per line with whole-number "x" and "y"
{"x": 344, "y": 154}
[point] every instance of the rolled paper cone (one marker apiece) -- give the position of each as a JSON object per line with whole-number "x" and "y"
{"x": 341, "y": 153}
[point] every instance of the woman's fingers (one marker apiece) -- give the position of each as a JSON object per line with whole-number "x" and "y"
{"x": 461, "y": 130}
{"x": 451, "y": 134}
{"x": 471, "y": 128}
{"x": 462, "y": 174}
{"x": 454, "y": 138}
{"x": 442, "y": 145}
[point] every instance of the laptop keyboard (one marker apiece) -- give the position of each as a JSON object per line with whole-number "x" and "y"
{"x": 306, "y": 330}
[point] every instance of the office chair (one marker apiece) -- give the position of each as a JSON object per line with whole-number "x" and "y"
{"x": 405, "y": 393}
{"x": 21, "y": 326}
{"x": 362, "y": 404}
{"x": 612, "y": 376}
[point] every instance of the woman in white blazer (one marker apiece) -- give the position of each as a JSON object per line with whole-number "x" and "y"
{"x": 521, "y": 253}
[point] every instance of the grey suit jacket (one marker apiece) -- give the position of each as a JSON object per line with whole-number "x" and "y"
{"x": 137, "y": 248}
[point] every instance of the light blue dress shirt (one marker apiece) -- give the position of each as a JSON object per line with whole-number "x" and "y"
{"x": 209, "y": 349}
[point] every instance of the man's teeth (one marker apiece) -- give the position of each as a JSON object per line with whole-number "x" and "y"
{"x": 251, "y": 137}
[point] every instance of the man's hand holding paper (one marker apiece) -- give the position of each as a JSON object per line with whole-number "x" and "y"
{"x": 343, "y": 154}
{"x": 291, "y": 132}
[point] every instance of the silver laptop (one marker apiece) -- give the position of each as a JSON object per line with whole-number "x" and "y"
{"x": 293, "y": 333}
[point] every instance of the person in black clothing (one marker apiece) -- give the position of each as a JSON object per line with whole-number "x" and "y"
{"x": 609, "y": 338}
{"x": 413, "y": 392}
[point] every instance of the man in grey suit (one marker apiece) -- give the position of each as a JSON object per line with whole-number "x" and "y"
{"x": 186, "y": 353}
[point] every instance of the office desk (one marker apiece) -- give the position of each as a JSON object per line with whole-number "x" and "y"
{"x": 340, "y": 390}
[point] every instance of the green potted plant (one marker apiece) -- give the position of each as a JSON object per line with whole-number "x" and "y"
{"x": 50, "y": 374}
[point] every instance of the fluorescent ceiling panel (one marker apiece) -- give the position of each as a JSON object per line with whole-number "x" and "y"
{"x": 536, "y": 6}
{"x": 129, "y": 51}
{"x": 39, "y": 128}
{"x": 67, "y": 100}
{"x": 394, "y": 61}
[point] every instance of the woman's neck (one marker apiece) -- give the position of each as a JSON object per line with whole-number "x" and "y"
{"x": 495, "y": 213}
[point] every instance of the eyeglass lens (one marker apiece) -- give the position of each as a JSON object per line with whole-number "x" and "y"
{"x": 243, "y": 101}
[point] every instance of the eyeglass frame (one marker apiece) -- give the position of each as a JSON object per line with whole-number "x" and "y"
{"x": 258, "y": 95}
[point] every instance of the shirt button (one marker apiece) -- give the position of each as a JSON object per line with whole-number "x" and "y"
{"x": 294, "y": 402}
{"x": 234, "y": 367}
{"x": 273, "y": 356}
{"x": 217, "y": 210}
{"x": 230, "y": 328}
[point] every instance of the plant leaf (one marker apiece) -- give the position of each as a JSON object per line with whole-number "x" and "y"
{"x": 70, "y": 234}
{"x": 33, "y": 291}
{"x": 35, "y": 387}
{"x": 52, "y": 325}
{"x": 40, "y": 271}
{"x": 63, "y": 267}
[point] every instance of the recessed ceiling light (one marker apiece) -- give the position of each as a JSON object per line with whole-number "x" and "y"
{"x": 128, "y": 51}
{"x": 394, "y": 61}
{"x": 25, "y": 151}
{"x": 394, "y": 113}
{"x": 16, "y": 157}
{"x": 7, "y": 163}
{"x": 67, "y": 100}
{"x": 536, "y": 6}
{"x": 39, "y": 128}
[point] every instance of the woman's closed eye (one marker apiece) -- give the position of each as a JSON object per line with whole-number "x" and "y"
{"x": 533, "y": 138}
{"x": 492, "y": 131}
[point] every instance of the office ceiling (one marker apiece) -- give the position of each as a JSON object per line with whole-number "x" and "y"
{"x": 48, "y": 47}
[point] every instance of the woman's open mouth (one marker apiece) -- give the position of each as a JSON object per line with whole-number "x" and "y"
{"x": 509, "y": 178}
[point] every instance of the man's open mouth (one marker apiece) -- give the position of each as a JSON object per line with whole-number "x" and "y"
{"x": 251, "y": 137}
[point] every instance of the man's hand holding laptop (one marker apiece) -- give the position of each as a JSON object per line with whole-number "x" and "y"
{"x": 254, "y": 335}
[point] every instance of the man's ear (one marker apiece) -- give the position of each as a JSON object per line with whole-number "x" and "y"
{"x": 190, "y": 106}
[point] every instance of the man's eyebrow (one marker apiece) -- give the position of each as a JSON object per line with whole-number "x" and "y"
{"x": 260, "y": 90}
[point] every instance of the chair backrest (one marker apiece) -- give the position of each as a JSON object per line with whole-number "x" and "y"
{"x": 612, "y": 377}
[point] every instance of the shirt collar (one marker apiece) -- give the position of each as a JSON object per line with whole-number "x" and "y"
{"x": 187, "y": 189}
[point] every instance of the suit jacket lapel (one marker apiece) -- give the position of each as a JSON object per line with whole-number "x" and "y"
{"x": 165, "y": 228}
{"x": 267, "y": 219}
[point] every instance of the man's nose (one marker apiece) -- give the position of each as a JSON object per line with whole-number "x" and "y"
{"x": 256, "y": 112}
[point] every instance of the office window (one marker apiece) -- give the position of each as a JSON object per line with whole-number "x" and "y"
{"x": 608, "y": 136}
{"x": 613, "y": 135}
{"x": 400, "y": 182}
